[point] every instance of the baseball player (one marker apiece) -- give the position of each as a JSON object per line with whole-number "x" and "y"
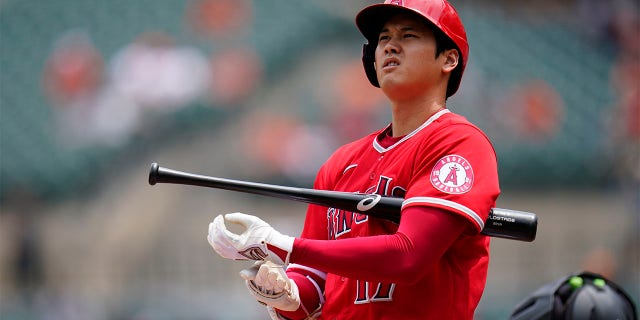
{"x": 433, "y": 264}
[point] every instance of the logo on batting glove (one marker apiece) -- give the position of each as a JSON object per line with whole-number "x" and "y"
{"x": 253, "y": 253}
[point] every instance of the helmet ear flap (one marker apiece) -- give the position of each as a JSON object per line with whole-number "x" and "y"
{"x": 368, "y": 61}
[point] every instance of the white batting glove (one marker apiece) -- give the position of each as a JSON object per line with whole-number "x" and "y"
{"x": 258, "y": 241}
{"x": 269, "y": 284}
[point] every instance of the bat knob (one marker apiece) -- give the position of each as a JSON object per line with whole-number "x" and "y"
{"x": 153, "y": 173}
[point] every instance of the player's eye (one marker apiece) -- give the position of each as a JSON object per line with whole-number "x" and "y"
{"x": 383, "y": 37}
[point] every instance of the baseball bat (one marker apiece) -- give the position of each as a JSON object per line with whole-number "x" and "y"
{"x": 501, "y": 223}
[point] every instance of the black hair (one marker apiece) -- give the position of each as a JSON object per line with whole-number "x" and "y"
{"x": 444, "y": 43}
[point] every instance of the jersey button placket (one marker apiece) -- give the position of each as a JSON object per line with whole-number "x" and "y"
{"x": 373, "y": 174}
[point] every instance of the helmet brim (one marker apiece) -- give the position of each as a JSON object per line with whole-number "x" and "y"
{"x": 371, "y": 19}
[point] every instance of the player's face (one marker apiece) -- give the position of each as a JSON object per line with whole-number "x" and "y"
{"x": 405, "y": 56}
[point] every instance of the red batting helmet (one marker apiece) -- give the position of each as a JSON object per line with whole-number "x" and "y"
{"x": 439, "y": 13}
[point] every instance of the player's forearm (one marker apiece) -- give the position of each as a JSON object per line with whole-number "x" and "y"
{"x": 361, "y": 258}
{"x": 422, "y": 239}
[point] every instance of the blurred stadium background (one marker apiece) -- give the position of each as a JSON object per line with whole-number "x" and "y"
{"x": 94, "y": 91}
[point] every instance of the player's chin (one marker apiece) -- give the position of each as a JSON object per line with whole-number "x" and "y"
{"x": 391, "y": 86}
{"x": 386, "y": 79}
{"x": 393, "y": 77}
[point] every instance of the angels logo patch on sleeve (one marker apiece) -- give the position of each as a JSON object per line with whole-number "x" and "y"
{"x": 452, "y": 174}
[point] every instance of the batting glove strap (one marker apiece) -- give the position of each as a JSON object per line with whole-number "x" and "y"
{"x": 275, "y": 315}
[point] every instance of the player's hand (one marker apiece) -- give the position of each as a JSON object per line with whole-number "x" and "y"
{"x": 258, "y": 241}
{"x": 269, "y": 284}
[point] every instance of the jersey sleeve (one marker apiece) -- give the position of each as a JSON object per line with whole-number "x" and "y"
{"x": 456, "y": 170}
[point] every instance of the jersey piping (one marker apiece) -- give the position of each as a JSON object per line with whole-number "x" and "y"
{"x": 349, "y": 168}
{"x": 447, "y": 203}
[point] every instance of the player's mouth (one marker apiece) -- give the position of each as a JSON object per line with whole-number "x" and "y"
{"x": 390, "y": 63}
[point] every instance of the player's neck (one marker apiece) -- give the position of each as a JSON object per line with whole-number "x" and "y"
{"x": 408, "y": 116}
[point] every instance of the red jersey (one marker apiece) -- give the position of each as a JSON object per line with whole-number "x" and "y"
{"x": 446, "y": 163}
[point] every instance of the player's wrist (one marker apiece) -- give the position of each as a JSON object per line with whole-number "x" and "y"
{"x": 279, "y": 248}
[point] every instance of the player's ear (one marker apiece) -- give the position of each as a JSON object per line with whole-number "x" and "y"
{"x": 452, "y": 58}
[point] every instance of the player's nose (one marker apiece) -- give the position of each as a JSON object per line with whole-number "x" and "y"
{"x": 391, "y": 46}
